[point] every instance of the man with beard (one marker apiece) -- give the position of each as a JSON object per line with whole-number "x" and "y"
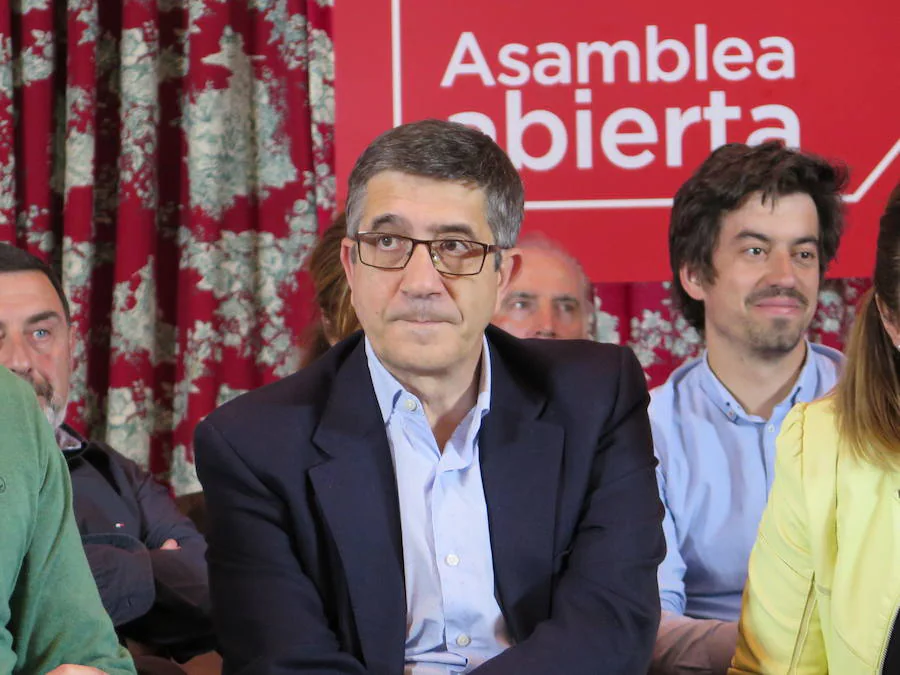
{"x": 147, "y": 559}
{"x": 750, "y": 237}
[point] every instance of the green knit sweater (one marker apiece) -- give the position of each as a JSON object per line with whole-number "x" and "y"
{"x": 50, "y": 611}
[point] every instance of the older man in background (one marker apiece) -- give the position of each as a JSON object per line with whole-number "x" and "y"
{"x": 550, "y": 298}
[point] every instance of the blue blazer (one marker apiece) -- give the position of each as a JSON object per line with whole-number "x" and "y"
{"x": 305, "y": 552}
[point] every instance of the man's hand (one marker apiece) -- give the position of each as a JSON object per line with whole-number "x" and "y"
{"x": 170, "y": 545}
{"x": 68, "y": 669}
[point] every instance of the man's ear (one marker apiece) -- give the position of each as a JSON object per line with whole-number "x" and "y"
{"x": 510, "y": 266}
{"x": 348, "y": 259}
{"x": 692, "y": 283}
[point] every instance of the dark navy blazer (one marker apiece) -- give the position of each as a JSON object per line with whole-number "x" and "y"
{"x": 305, "y": 552}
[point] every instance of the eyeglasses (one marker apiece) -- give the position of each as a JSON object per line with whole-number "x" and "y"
{"x": 453, "y": 257}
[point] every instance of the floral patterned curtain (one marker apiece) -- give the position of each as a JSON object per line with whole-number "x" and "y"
{"x": 174, "y": 158}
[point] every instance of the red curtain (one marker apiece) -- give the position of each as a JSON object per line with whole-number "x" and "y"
{"x": 174, "y": 159}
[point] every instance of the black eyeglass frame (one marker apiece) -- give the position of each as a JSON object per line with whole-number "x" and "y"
{"x": 428, "y": 243}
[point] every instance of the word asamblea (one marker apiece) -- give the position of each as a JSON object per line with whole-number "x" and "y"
{"x": 666, "y": 61}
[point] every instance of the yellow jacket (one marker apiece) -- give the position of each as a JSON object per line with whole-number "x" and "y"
{"x": 823, "y": 585}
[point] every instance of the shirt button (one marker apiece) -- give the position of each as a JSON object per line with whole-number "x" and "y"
{"x": 411, "y": 405}
{"x": 452, "y": 560}
{"x": 463, "y": 640}
{"x": 771, "y": 428}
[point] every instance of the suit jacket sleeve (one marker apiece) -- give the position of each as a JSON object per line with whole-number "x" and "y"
{"x": 605, "y": 606}
{"x": 780, "y": 629}
{"x": 269, "y": 618}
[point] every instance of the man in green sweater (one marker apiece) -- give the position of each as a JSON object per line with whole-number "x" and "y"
{"x": 50, "y": 611}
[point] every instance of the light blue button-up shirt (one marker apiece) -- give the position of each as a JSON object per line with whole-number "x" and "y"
{"x": 453, "y": 620}
{"x": 715, "y": 470}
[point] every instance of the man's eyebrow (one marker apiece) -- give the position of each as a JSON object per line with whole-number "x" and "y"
{"x": 43, "y": 316}
{"x": 759, "y": 236}
{"x": 40, "y": 317}
{"x": 750, "y": 234}
{"x": 396, "y": 220}
{"x": 454, "y": 228}
{"x": 566, "y": 297}
{"x": 387, "y": 219}
{"x": 521, "y": 295}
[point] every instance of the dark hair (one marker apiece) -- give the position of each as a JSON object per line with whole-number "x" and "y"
{"x": 723, "y": 183}
{"x": 14, "y": 259}
{"x": 445, "y": 151}
{"x": 337, "y": 319}
{"x": 867, "y": 397}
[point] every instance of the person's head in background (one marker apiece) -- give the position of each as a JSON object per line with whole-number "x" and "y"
{"x": 36, "y": 336}
{"x": 336, "y": 319}
{"x": 868, "y": 394}
{"x": 551, "y": 297}
{"x": 750, "y": 237}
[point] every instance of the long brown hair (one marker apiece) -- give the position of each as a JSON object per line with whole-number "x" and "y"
{"x": 867, "y": 397}
{"x": 337, "y": 319}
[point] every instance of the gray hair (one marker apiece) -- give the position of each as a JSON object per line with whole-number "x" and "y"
{"x": 445, "y": 151}
{"x": 536, "y": 240}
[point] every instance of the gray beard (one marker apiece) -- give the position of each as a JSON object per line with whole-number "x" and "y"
{"x": 54, "y": 411}
{"x": 55, "y": 414}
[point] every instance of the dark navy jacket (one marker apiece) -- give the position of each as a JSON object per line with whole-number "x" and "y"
{"x": 157, "y": 597}
{"x": 305, "y": 551}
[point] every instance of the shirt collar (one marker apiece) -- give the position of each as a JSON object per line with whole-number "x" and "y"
{"x": 388, "y": 390}
{"x": 68, "y": 439}
{"x": 729, "y": 405}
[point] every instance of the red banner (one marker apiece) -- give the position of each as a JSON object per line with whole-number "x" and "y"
{"x": 607, "y": 111}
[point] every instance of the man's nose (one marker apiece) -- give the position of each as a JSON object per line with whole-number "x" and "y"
{"x": 16, "y": 356}
{"x": 544, "y": 325}
{"x": 781, "y": 270}
{"x": 420, "y": 276}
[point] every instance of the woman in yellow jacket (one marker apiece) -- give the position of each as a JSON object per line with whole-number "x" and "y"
{"x": 824, "y": 580}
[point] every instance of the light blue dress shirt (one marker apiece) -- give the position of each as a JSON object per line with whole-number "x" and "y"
{"x": 715, "y": 470}
{"x": 453, "y": 620}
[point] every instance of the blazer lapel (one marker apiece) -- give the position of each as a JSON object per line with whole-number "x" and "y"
{"x": 521, "y": 458}
{"x": 357, "y": 491}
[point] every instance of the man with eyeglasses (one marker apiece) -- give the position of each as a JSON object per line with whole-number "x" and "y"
{"x": 434, "y": 495}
